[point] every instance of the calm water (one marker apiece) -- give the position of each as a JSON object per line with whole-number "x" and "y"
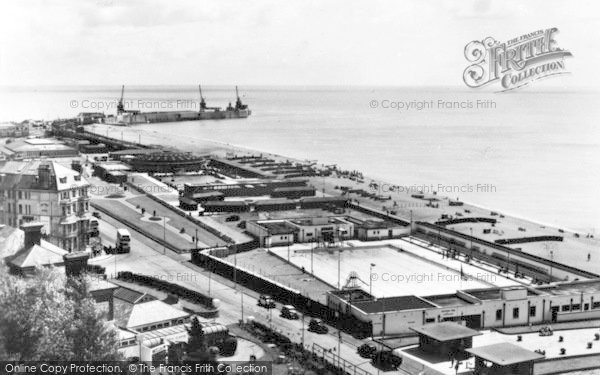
{"x": 537, "y": 153}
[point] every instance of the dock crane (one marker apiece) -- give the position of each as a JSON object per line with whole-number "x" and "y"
{"x": 238, "y": 101}
{"x": 120, "y": 106}
{"x": 202, "y": 102}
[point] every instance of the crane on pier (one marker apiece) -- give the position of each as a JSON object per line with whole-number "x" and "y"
{"x": 238, "y": 101}
{"x": 202, "y": 102}
{"x": 120, "y": 106}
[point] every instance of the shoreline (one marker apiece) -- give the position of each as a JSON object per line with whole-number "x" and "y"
{"x": 221, "y": 148}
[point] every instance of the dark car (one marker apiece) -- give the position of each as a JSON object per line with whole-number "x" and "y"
{"x": 232, "y": 218}
{"x": 266, "y": 301}
{"x": 386, "y": 360}
{"x": 317, "y": 326}
{"x": 289, "y": 312}
{"x": 96, "y": 214}
{"x": 367, "y": 350}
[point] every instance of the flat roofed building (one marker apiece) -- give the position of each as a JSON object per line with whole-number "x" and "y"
{"x": 378, "y": 229}
{"x": 446, "y": 339}
{"x": 39, "y": 147}
{"x": 272, "y": 232}
{"x": 329, "y": 228}
{"x": 504, "y": 358}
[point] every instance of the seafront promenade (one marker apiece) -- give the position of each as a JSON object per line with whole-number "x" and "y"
{"x": 576, "y": 249}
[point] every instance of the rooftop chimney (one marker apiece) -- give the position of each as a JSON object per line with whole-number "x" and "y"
{"x": 44, "y": 174}
{"x": 76, "y": 263}
{"x": 33, "y": 233}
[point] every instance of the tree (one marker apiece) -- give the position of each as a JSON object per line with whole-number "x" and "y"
{"x": 47, "y": 318}
{"x": 197, "y": 349}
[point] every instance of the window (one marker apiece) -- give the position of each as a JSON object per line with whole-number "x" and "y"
{"x": 429, "y": 320}
{"x": 586, "y": 306}
{"x": 566, "y": 308}
{"x": 576, "y": 306}
{"x": 595, "y": 305}
{"x": 499, "y": 314}
{"x": 532, "y": 310}
{"x": 516, "y": 313}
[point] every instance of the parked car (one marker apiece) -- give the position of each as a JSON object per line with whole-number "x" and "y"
{"x": 96, "y": 214}
{"x": 367, "y": 350}
{"x": 266, "y": 301}
{"x": 289, "y": 312}
{"x": 317, "y": 326}
{"x": 232, "y": 218}
{"x": 386, "y": 360}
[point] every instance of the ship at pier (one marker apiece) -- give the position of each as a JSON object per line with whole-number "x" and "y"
{"x": 130, "y": 117}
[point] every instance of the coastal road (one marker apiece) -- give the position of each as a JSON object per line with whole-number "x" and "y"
{"x": 147, "y": 257}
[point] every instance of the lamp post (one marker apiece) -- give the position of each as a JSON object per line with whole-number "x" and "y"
{"x": 551, "y": 261}
{"x": 471, "y": 230}
{"x": 164, "y": 234}
{"x": 209, "y": 277}
{"x": 311, "y": 256}
{"x": 371, "y": 279}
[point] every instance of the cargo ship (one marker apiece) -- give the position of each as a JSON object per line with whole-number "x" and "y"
{"x": 130, "y": 117}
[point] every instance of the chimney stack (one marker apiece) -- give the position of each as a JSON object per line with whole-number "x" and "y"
{"x": 33, "y": 233}
{"x": 76, "y": 263}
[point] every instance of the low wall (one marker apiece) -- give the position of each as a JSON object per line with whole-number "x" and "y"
{"x": 535, "y": 266}
{"x": 378, "y": 214}
{"x": 175, "y": 289}
{"x": 281, "y": 293}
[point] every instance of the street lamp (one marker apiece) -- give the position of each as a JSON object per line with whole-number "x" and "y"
{"x": 551, "y": 261}
{"x": 471, "y": 229}
{"x": 164, "y": 234}
{"x": 371, "y": 279}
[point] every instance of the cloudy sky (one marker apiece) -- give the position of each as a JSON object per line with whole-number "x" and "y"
{"x": 299, "y": 42}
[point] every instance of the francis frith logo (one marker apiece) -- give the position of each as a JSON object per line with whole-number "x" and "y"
{"x": 516, "y": 62}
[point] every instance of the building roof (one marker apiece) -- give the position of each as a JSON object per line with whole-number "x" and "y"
{"x": 275, "y": 202}
{"x": 24, "y": 175}
{"x": 129, "y": 295}
{"x": 225, "y": 203}
{"x": 44, "y": 254}
{"x": 38, "y": 145}
{"x": 294, "y": 188}
{"x": 571, "y": 288}
{"x": 505, "y": 354}
{"x": 97, "y": 284}
{"x": 278, "y": 227}
{"x": 446, "y": 331}
{"x": 399, "y": 303}
{"x": 143, "y": 314}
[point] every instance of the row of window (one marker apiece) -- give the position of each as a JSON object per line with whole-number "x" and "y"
{"x": 577, "y": 306}
{"x": 74, "y": 193}
{"x": 11, "y": 194}
{"x": 516, "y": 312}
{"x": 13, "y": 208}
{"x": 159, "y": 326}
{"x": 533, "y": 309}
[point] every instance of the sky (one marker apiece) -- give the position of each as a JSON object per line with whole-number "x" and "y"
{"x": 292, "y": 42}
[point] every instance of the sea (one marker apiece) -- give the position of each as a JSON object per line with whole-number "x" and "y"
{"x": 530, "y": 153}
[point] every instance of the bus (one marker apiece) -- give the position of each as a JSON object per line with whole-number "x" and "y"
{"x": 123, "y": 240}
